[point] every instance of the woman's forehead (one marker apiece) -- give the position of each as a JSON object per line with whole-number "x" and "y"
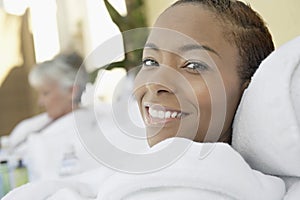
{"x": 186, "y": 25}
{"x": 169, "y": 40}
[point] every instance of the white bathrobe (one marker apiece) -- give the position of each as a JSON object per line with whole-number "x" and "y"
{"x": 43, "y": 146}
{"x": 219, "y": 174}
{"x": 26, "y": 127}
{"x": 267, "y": 124}
{"x": 46, "y": 150}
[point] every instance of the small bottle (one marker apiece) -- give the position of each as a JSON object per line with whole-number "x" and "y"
{"x": 20, "y": 174}
{"x": 5, "y": 180}
{"x": 70, "y": 164}
{"x": 5, "y": 184}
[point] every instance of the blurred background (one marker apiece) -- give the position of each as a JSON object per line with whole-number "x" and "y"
{"x": 32, "y": 31}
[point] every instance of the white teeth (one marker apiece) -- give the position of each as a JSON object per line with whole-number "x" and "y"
{"x": 168, "y": 114}
{"x": 164, "y": 115}
{"x": 153, "y": 112}
{"x": 174, "y": 114}
{"x": 161, "y": 114}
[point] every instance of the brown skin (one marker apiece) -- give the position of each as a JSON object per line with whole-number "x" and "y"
{"x": 169, "y": 81}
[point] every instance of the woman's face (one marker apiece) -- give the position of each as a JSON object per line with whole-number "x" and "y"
{"x": 189, "y": 84}
{"x": 56, "y": 101}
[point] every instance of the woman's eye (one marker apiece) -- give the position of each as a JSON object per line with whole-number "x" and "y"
{"x": 196, "y": 66}
{"x": 150, "y": 63}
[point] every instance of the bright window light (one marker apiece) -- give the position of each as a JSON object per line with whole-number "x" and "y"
{"x": 15, "y": 7}
{"x": 44, "y": 29}
{"x": 102, "y": 32}
{"x": 120, "y": 6}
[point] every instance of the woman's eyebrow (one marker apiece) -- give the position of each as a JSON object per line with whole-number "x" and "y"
{"x": 190, "y": 47}
{"x": 151, "y": 46}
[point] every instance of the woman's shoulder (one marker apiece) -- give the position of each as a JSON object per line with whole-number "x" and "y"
{"x": 31, "y": 124}
{"x": 39, "y": 118}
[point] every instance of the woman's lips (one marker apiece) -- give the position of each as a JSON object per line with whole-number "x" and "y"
{"x": 158, "y": 115}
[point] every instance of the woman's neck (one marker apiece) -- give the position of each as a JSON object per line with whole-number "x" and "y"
{"x": 226, "y": 136}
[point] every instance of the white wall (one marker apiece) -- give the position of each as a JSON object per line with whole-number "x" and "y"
{"x": 281, "y": 16}
{"x": 155, "y": 7}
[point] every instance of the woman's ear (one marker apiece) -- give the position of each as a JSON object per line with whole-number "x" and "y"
{"x": 74, "y": 90}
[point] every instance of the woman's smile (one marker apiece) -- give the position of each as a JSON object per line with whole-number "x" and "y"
{"x": 158, "y": 115}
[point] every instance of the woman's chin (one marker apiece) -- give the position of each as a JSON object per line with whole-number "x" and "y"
{"x": 157, "y": 138}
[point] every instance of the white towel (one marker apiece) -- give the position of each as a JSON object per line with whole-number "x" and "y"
{"x": 221, "y": 174}
{"x": 46, "y": 190}
{"x": 293, "y": 193}
{"x": 81, "y": 187}
{"x": 266, "y": 129}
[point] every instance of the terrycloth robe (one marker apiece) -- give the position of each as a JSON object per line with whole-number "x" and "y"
{"x": 266, "y": 130}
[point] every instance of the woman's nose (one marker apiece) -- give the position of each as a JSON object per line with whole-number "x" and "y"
{"x": 163, "y": 79}
{"x": 158, "y": 88}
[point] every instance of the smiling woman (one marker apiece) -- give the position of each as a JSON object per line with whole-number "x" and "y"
{"x": 216, "y": 53}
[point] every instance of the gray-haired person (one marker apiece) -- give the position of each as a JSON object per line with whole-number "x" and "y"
{"x": 43, "y": 140}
